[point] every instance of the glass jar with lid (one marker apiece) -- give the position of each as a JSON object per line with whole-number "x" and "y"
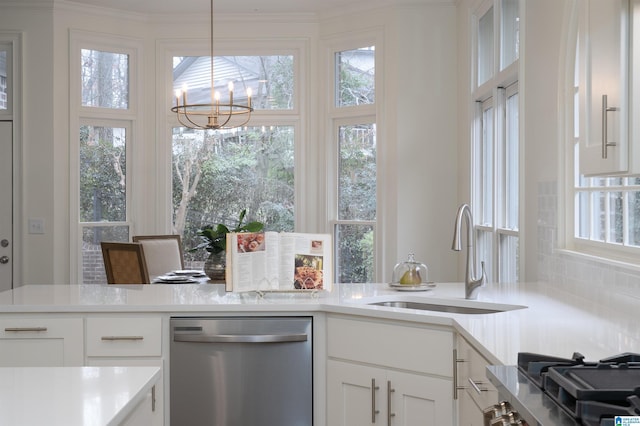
{"x": 410, "y": 272}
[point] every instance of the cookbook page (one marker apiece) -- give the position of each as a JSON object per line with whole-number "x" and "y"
{"x": 250, "y": 258}
{"x": 305, "y": 261}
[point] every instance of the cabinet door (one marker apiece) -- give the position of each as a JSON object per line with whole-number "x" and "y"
{"x": 354, "y": 394}
{"x": 359, "y": 395}
{"x": 41, "y": 342}
{"x": 418, "y": 400}
{"x": 604, "y": 83}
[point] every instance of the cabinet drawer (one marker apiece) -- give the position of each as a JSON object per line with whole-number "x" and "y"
{"x": 41, "y": 342}
{"x": 406, "y": 346}
{"x": 124, "y": 336}
{"x": 29, "y": 328}
{"x": 474, "y": 375}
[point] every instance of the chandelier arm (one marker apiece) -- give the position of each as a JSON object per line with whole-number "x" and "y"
{"x": 180, "y": 119}
{"x": 194, "y": 125}
{"x": 226, "y": 120}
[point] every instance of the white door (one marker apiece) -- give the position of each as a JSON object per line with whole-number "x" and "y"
{"x": 6, "y": 205}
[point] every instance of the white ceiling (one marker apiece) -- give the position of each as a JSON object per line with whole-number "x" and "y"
{"x": 330, "y": 7}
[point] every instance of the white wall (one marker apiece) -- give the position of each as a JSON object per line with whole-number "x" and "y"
{"x": 425, "y": 134}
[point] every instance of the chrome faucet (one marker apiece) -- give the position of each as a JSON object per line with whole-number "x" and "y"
{"x": 471, "y": 283}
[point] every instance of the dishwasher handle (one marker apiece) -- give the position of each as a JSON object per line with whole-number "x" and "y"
{"x": 240, "y": 338}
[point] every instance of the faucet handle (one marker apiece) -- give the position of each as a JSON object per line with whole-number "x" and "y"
{"x": 483, "y": 276}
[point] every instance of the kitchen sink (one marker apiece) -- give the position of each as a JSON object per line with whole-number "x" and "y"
{"x": 459, "y": 307}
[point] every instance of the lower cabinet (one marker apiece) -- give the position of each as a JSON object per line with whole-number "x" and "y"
{"x": 388, "y": 373}
{"x": 364, "y": 395}
{"x": 41, "y": 341}
{"x": 113, "y": 340}
{"x": 474, "y": 391}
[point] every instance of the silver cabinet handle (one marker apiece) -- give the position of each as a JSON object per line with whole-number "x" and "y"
{"x": 153, "y": 399}
{"x": 475, "y": 386}
{"x": 240, "y": 338}
{"x": 456, "y": 361}
{"x": 374, "y": 412}
{"x": 122, "y": 338}
{"x": 4, "y": 260}
{"x": 24, "y": 329}
{"x": 605, "y": 125}
{"x": 390, "y": 415}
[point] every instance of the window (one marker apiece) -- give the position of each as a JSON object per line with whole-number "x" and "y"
{"x": 5, "y": 56}
{"x": 354, "y": 131}
{"x": 217, "y": 174}
{"x": 495, "y": 152}
{"x": 103, "y": 123}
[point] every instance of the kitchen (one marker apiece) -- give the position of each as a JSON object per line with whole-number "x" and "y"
{"x": 43, "y": 258}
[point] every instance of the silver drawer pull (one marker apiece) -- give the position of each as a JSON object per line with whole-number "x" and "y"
{"x": 28, "y": 329}
{"x": 475, "y": 386}
{"x": 122, "y": 338}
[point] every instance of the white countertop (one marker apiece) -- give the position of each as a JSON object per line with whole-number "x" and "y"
{"x": 554, "y": 322}
{"x": 69, "y": 396}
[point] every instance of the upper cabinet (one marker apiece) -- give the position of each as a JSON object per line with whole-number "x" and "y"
{"x": 603, "y": 54}
{"x": 606, "y": 40}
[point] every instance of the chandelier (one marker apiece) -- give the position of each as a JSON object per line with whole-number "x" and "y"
{"x": 216, "y": 114}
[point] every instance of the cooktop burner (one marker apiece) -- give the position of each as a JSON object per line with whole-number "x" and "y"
{"x": 591, "y": 392}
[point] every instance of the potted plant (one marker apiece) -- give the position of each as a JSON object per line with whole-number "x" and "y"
{"x": 214, "y": 240}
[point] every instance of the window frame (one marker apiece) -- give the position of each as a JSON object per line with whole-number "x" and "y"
{"x": 493, "y": 94}
{"x": 338, "y": 116}
{"x": 96, "y": 116}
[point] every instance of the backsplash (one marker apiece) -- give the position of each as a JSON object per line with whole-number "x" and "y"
{"x": 576, "y": 273}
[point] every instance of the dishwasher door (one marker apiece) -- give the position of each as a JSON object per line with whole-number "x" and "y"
{"x": 241, "y": 371}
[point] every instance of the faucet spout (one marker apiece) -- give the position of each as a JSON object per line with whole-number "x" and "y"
{"x": 472, "y": 283}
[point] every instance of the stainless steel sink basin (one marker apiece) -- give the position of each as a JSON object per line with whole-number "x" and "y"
{"x": 483, "y": 308}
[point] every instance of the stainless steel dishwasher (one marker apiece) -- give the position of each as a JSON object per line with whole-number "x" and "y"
{"x": 238, "y": 371}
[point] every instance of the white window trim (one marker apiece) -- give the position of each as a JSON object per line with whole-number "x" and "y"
{"x": 79, "y": 115}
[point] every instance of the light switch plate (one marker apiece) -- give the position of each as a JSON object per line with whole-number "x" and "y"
{"x": 36, "y": 226}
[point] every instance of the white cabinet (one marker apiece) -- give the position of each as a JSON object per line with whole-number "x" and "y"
{"x": 473, "y": 389}
{"x": 609, "y": 139}
{"x": 41, "y": 341}
{"x": 113, "y": 340}
{"x": 388, "y": 373}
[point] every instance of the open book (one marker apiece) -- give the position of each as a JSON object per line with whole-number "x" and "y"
{"x": 278, "y": 261}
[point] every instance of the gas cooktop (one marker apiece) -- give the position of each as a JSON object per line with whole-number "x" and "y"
{"x": 574, "y": 391}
